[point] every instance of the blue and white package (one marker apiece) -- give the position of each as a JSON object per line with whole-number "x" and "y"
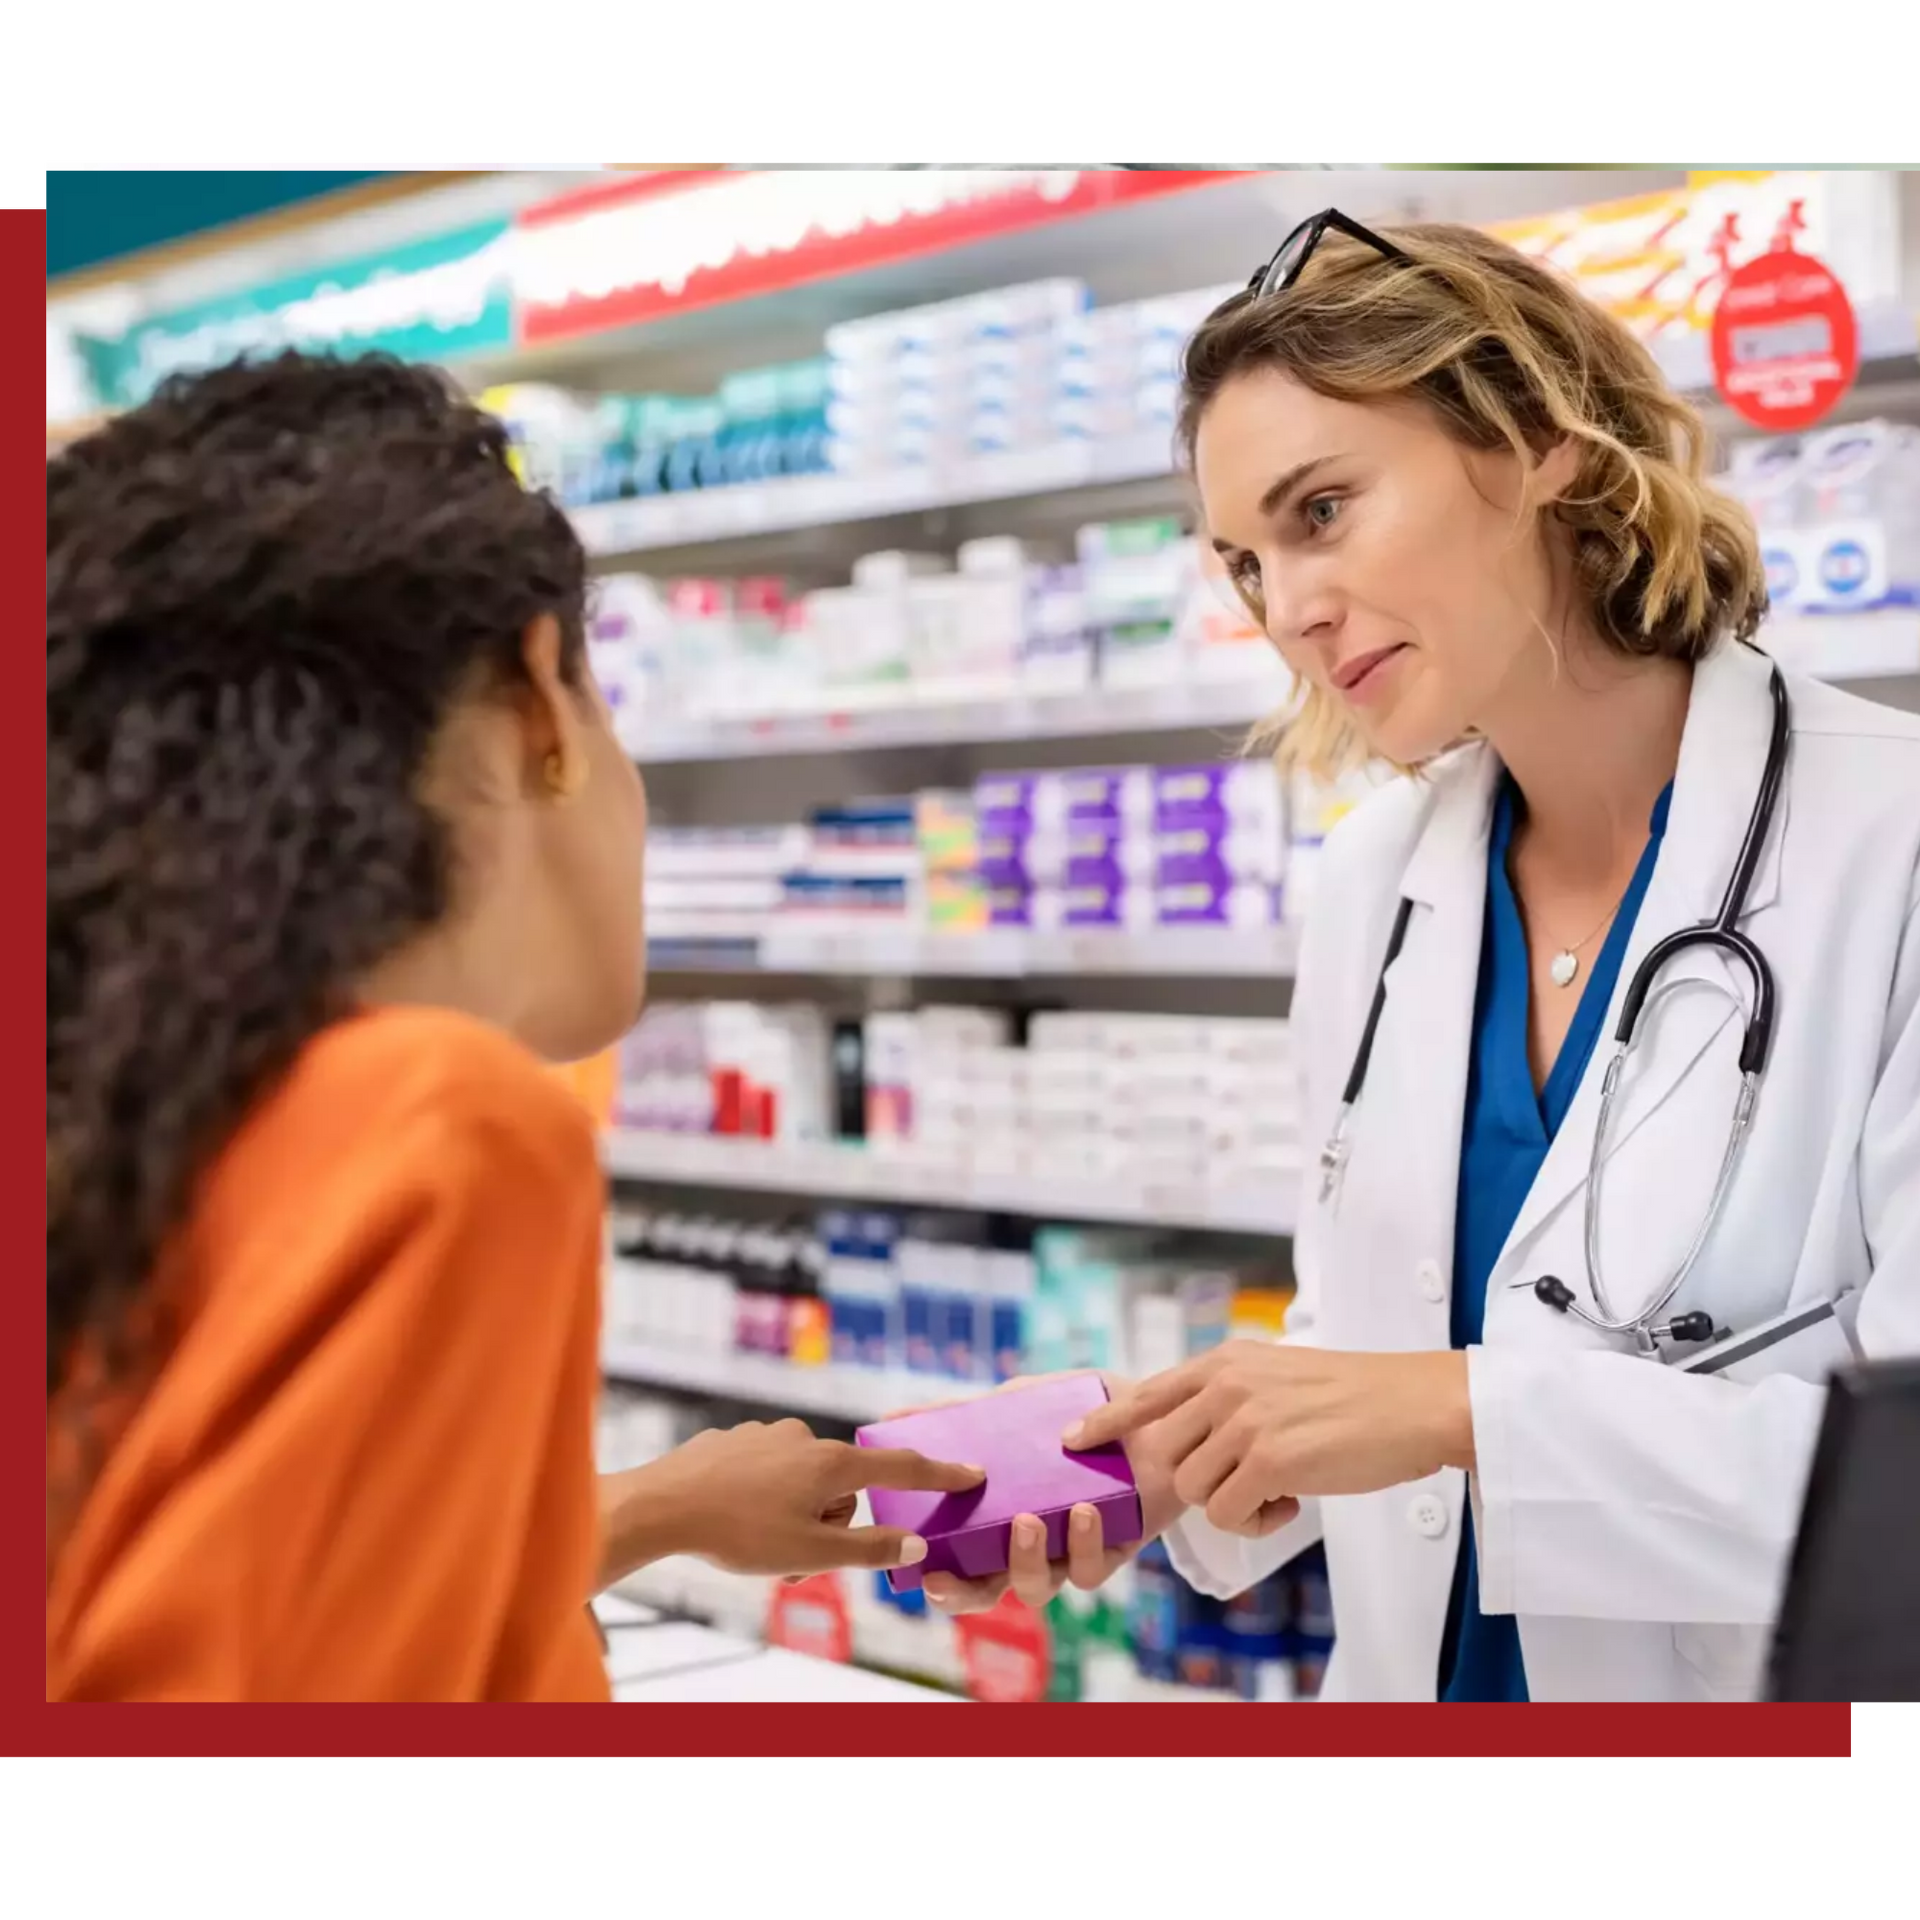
{"x": 862, "y": 1286}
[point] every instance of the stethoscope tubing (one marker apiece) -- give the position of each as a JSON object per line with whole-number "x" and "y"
{"x": 1721, "y": 934}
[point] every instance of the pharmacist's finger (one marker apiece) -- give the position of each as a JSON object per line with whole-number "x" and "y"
{"x": 1203, "y": 1470}
{"x": 1140, "y": 1406}
{"x": 1088, "y": 1564}
{"x": 1272, "y": 1517}
{"x": 900, "y": 1468}
{"x": 951, "y": 1594}
{"x": 1032, "y": 1578}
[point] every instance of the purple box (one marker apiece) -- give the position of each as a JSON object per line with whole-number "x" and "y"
{"x": 1015, "y": 1437}
{"x": 1009, "y": 905}
{"x": 1232, "y": 790}
{"x": 1111, "y": 903}
{"x": 1217, "y": 903}
{"x": 1093, "y": 795}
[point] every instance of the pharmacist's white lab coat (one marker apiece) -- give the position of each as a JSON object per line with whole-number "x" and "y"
{"x": 1636, "y": 1518}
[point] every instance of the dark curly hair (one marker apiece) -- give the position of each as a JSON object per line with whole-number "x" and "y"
{"x": 267, "y": 588}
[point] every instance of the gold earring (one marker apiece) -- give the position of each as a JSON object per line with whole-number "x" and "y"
{"x": 554, "y": 769}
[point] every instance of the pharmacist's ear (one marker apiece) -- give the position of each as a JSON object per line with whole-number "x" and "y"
{"x": 1553, "y": 474}
{"x": 553, "y": 723}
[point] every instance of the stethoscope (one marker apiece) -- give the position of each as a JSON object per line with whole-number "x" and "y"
{"x": 1721, "y": 932}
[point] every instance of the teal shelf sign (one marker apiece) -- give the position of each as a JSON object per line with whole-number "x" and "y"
{"x": 438, "y": 299}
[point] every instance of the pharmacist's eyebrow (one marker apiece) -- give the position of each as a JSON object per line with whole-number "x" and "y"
{"x": 1294, "y": 478}
{"x": 1275, "y": 496}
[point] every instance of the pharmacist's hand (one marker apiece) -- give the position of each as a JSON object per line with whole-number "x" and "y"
{"x": 1090, "y": 1562}
{"x": 1250, "y": 1426}
{"x": 780, "y": 1500}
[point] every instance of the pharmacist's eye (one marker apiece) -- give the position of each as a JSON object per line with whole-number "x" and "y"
{"x": 1321, "y": 511}
{"x": 1244, "y": 571}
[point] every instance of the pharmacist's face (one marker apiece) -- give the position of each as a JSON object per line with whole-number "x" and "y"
{"x": 1392, "y": 568}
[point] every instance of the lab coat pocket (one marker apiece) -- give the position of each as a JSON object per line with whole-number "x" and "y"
{"x": 1730, "y": 1662}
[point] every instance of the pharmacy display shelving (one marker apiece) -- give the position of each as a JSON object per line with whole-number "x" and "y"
{"x": 710, "y": 516}
{"x": 847, "y": 1395}
{"x": 874, "y": 726}
{"x": 826, "y": 1172}
{"x": 1265, "y": 953}
{"x": 623, "y": 527}
{"x": 1883, "y": 643}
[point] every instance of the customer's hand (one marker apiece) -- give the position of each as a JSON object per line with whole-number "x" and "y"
{"x": 766, "y": 1500}
{"x": 1248, "y": 1428}
{"x": 1090, "y": 1562}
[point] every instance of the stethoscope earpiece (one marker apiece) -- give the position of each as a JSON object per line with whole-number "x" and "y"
{"x": 1553, "y": 1292}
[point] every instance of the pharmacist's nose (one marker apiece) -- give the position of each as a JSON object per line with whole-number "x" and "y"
{"x": 1302, "y": 612}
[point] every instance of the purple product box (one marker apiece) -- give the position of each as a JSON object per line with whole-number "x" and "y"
{"x": 1093, "y": 795}
{"x": 1009, "y": 905}
{"x": 1015, "y": 1437}
{"x": 1233, "y": 790}
{"x": 1217, "y": 903}
{"x": 1107, "y": 903}
{"x": 1004, "y": 798}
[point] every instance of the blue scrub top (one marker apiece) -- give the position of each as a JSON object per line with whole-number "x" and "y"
{"x": 1506, "y": 1136}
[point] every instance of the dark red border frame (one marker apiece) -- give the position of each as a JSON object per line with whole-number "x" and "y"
{"x": 28, "y": 1725}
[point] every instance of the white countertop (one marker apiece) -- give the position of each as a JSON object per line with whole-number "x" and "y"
{"x": 651, "y": 1658}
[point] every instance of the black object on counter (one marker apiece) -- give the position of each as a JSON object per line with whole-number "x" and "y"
{"x": 1849, "y": 1628}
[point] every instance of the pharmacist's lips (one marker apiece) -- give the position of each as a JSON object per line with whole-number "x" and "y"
{"x": 1349, "y": 675}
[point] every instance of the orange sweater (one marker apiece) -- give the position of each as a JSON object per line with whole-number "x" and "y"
{"x": 365, "y": 1470}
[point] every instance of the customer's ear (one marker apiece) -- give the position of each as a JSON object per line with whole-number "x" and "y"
{"x": 553, "y": 727}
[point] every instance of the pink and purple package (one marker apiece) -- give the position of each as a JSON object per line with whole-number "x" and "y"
{"x": 1015, "y": 1437}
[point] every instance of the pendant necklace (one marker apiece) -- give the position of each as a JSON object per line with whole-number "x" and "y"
{"x": 1565, "y": 965}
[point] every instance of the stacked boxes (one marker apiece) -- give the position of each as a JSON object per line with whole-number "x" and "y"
{"x": 1125, "y": 849}
{"x": 939, "y": 383}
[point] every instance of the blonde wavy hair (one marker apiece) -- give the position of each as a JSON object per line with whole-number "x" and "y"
{"x": 1506, "y": 353}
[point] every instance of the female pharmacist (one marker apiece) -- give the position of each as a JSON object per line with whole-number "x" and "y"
{"x": 339, "y": 840}
{"x": 1552, "y": 1382}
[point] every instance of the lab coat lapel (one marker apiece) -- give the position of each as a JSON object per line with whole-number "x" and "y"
{"x": 1723, "y": 752}
{"x": 1430, "y": 993}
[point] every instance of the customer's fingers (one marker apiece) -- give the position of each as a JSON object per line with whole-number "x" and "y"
{"x": 900, "y": 1468}
{"x": 877, "y": 1547}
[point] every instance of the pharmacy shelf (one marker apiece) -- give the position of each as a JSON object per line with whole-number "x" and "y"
{"x": 619, "y": 527}
{"x": 855, "y": 1173}
{"x": 852, "y": 1395}
{"x": 1088, "y": 713}
{"x": 713, "y": 516}
{"x": 1879, "y": 644}
{"x": 1199, "y": 953}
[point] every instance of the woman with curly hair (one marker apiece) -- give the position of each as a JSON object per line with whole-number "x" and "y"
{"x": 340, "y": 847}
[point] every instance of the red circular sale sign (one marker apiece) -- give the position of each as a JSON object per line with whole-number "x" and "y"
{"x": 1785, "y": 344}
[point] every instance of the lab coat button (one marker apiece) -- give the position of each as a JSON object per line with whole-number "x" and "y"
{"x": 1433, "y": 1283}
{"x": 1428, "y": 1516}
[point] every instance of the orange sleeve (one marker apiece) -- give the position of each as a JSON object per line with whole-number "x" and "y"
{"x": 366, "y": 1471}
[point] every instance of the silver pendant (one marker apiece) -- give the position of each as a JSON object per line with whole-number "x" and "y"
{"x": 1565, "y": 966}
